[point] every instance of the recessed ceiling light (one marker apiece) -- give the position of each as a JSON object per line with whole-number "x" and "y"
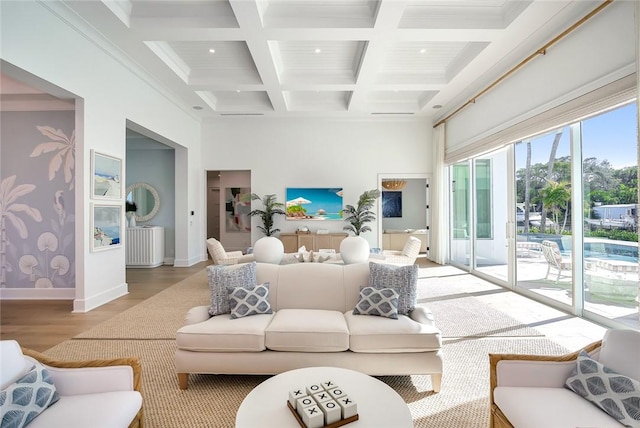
{"x": 423, "y": 50}
{"x": 437, "y": 106}
{"x": 212, "y": 50}
{"x": 238, "y": 90}
{"x": 317, "y": 50}
{"x": 197, "y": 107}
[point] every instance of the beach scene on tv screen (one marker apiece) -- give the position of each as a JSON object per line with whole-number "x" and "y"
{"x": 322, "y": 203}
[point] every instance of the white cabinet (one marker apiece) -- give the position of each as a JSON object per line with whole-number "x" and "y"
{"x": 145, "y": 246}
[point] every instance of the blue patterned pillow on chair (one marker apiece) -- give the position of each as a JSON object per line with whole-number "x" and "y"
{"x": 616, "y": 394}
{"x": 29, "y": 396}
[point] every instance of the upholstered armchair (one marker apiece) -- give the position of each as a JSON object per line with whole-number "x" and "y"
{"x": 407, "y": 256}
{"x": 528, "y": 391}
{"x": 70, "y": 394}
{"x": 222, "y": 257}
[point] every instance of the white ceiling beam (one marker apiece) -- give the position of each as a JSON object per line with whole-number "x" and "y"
{"x": 248, "y": 16}
{"x": 387, "y": 19}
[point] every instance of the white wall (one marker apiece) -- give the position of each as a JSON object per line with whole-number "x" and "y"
{"x": 108, "y": 94}
{"x": 600, "y": 51}
{"x": 299, "y": 152}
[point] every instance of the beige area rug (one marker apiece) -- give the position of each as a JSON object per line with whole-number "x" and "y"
{"x": 212, "y": 400}
{"x": 471, "y": 328}
{"x": 158, "y": 317}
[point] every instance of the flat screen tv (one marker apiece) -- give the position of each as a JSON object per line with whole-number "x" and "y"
{"x": 314, "y": 203}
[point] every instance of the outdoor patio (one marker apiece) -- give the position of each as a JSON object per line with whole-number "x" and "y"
{"x": 611, "y": 285}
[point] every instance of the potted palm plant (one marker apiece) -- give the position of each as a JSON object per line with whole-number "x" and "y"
{"x": 268, "y": 249}
{"x": 355, "y": 249}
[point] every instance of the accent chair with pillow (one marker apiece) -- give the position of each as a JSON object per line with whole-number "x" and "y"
{"x": 407, "y": 256}
{"x": 598, "y": 386}
{"x": 39, "y": 392}
{"x": 222, "y": 257}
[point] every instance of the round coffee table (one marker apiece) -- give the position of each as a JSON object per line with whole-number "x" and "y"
{"x": 378, "y": 404}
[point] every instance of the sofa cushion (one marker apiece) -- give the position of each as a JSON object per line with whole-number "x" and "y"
{"x": 29, "y": 396}
{"x": 307, "y": 330}
{"x": 616, "y": 394}
{"x": 403, "y": 279}
{"x": 101, "y": 410}
{"x": 382, "y": 303}
{"x": 247, "y": 301}
{"x": 223, "y": 334}
{"x": 221, "y": 277}
{"x": 379, "y": 334}
{"x": 535, "y": 407}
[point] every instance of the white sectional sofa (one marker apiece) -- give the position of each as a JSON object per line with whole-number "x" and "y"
{"x": 312, "y": 324}
{"x": 528, "y": 391}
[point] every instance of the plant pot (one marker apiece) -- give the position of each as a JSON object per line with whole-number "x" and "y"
{"x": 268, "y": 249}
{"x": 354, "y": 249}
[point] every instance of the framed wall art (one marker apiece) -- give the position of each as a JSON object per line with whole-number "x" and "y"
{"x": 321, "y": 203}
{"x": 106, "y": 224}
{"x": 391, "y": 204}
{"x": 106, "y": 175}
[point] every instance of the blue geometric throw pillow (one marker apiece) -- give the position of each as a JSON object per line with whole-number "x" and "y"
{"x": 616, "y": 394}
{"x": 221, "y": 277}
{"x": 403, "y": 279}
{"x": 246, "y": 301}
{"x": 25, "y": 399}
{"x": 382, "y": 303}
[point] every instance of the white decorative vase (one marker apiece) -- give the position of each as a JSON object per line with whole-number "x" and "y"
{"x": 354, "y": 249}
{"x": 132, "y": 220}
{"x": 268, "y": 249}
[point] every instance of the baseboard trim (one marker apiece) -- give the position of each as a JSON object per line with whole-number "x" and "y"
{"x": 187, "y": 263}
{"x": 37, "y": 293}
{"x": 85, "y": 305}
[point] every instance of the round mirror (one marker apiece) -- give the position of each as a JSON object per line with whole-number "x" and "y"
{"x": 146, "y": 199}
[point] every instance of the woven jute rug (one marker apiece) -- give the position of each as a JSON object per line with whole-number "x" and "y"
{"x": 471, "y": 330}
{"x": 212, "y": 400}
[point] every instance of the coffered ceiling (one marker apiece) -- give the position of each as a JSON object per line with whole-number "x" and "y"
{"x": 326, "y": 57}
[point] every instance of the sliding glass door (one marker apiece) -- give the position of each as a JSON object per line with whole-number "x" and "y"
{"x": 543, "y": 216}
{"x": 610, "y": 188}
{"x": 560, "y": 222}
{"x": 460, "y": 208}
{"x": 491, "y": 214}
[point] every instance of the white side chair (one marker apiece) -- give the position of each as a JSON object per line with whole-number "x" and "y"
{"x": 96, "y": 393}
{"x": 551, "y": 253}
{"x": 407, "y": 256}
{"x": 222, "y": 257}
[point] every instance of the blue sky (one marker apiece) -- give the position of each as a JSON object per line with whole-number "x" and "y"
{"x": 611, "y": 136}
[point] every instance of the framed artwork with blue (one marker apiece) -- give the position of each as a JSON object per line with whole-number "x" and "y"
{"x": 391, "y": 204}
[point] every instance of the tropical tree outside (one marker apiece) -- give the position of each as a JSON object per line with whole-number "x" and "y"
{"x": 556, "y": 198}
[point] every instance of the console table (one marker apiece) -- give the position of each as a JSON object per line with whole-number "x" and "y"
{"x": 311, "y": 241}
{"x": 144, "y": 246}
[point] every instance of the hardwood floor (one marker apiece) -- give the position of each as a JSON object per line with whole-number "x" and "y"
{"x": 42, "y": 324}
